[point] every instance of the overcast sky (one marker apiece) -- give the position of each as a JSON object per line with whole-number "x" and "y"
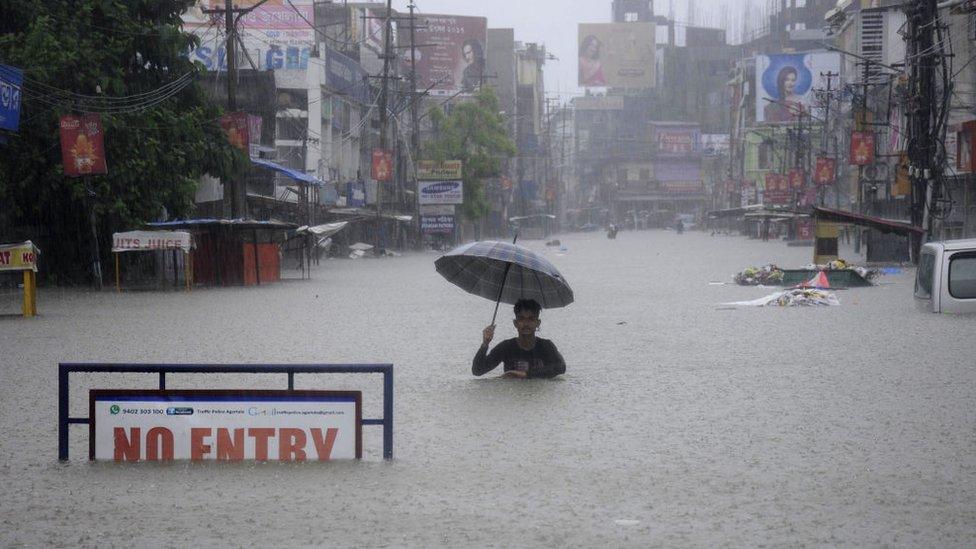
{"x": 554, "y": 23}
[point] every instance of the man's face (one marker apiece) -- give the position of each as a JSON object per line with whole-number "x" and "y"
{"x": 526, "y": 322}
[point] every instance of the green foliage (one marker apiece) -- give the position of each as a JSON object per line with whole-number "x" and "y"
{"x": 155, "y": 156}
{"x": 474, "y": 132}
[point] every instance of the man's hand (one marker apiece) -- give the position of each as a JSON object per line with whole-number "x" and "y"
{"x": 488, "y": 334}
{"x": 516, "y": 374}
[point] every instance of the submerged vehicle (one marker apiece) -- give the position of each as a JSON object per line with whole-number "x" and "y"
{"x": 946, "y": 277}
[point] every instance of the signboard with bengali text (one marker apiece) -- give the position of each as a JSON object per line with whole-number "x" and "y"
{"x": 11, "y": 83}
{"x": 224, "y": 425}
{"x": 82, "y": 145}
{"x": 433, "y": 170}
{"x": 454, "y": 59}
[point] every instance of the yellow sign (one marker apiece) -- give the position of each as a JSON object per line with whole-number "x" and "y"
{"x": 448, "y": 170}
{"x": 18, "y": 257}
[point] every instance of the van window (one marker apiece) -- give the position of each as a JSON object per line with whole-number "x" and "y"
{"x": 923, "y": 280}
{"x": 962, "y": 276}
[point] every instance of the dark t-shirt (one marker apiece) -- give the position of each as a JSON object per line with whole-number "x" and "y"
{"x": 543, "y": 360}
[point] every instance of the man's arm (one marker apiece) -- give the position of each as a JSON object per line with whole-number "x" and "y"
{"x": 484, "y": 361}
{"x": 552, "y": 363}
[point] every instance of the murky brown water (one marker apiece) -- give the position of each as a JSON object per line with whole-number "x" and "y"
{"x": 679, "y": 423}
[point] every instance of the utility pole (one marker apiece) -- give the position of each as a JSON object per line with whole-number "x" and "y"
{"x": 825, "y": 133}
{"x": 860, "y": 123}
{"x": 414, "y": 117}
{"x": 384, "y": 114}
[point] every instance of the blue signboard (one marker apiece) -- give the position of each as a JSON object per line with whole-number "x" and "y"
{"x": 345, "y": 76}
{"x": 11, "y": 81}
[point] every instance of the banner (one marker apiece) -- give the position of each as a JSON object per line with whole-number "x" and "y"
{"x": 676, "y": 141}
{"x": 19, "y": 257}
{"x": 786, "y": 84}
{"x": 11, "y": 83}
{"x": 826, "y": 171}
{"x": 277, "y": 34}
{"x": 243, "y": 131}
{"x": 797, "y": 178}
{"x": 440, "y": 192}
{"x": 381, "y": 168}
{"x": 132, "y": 241}
{"x": 777, "y": 189}
{"x": 618, "y": 55}
{"x": 446, "y": 170}
{"x": 225, "y": 425}
{"x": 82, "y": 145}
{"x": 862, "y": 148}
{"x": 454, "y": 59}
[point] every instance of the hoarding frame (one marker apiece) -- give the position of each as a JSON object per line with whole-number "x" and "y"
{"x": 66, "y": 369}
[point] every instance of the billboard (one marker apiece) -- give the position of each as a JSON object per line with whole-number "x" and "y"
{"x": 227, "y": 425}
{"x": 82, "y": 145}
{"x": 440, "y": 192}
{"x": 676, "y": 140}
{"x": 825, "y": 171}
{"x": 277, "y": 34}
{"x": 786, "y": 84}
{"x": 432, "y": 169}
{"x": 617, "y": 55}
{"x": 450, "y": 53}
{"x": 11, "y": 82}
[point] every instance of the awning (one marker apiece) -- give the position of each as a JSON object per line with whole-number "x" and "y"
{"x": 734, "y": 212}
{"x": 288, "y": 172}
{"x": 883, "y": 225}
{"x": 234, "y": 223}
{"x": 323, "y": 231}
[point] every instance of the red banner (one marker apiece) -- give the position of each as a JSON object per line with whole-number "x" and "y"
{"x": 236, "y": 127}
{"x": 862, "y": 148}
{"x": 777, "y": 189}
{"x": 826, "y": 171}
{"x": 82, "y": 145}
{"x": 382, "y": 167}
{"x": 796, "y": 178}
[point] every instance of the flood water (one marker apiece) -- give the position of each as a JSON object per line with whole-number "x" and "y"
{"x": 679, "y": 422}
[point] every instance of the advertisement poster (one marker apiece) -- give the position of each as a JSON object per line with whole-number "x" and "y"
{"x": 862, "y": 148}
{"x": 617, "y": 55}
{"x": 277, "y": 34}
{"x": 225, "y": 425}
{"x": 381, "y": 168}
{"x": 437, "y": 224}
{"x": 676, "y": 140}
{"x": 11, "y": 81}
{"x": 786, "y": 84}
{"x": 356, "y": 194}
{"x": 243, "y": 131}
{"x": 454, "y": 60}
{"x": 440, "y": 192}
{"x": 82, "y": 145}
{"x": 825, "y": 171}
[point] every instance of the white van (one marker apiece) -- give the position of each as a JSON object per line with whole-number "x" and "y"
{"x": 946, "y": 277}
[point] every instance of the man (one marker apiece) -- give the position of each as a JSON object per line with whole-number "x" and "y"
{"x": 524, "y": 356}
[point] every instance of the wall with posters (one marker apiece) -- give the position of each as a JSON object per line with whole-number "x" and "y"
{"x": 785, "y": 84}
{"x": 455, "y": 61}
{"x": 277, "y": 34}
{"x": 619, "y": 55}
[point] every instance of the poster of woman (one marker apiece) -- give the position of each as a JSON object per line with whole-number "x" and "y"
{"x": 590, "y": 65}
{"x": 785, "y": 84}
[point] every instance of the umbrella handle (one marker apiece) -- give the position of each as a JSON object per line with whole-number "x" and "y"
{"x": 502, "y": 288}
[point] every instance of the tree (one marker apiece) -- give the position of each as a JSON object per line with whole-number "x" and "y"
{"x": 122, "y": 59}
{"x": 474, "y": 132}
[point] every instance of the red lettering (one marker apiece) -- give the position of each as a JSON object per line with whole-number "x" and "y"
{"x": 261, "y": 437}
{"x": 159, "y": 444}
{"x": 291, "y": 444}
{"x": 197, "y": 447}
{"x": 324, "y": 447}
{"x": 126, "y": 448}
{"x": 5, "y": 257}
{"x": 227, "y": 449}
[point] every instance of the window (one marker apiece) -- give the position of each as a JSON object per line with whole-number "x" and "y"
{"x": 962, "y": 276}
{"x": 630, "y": 17}
{"x": 923, "y": 279}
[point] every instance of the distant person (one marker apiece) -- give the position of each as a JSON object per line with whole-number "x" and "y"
{"x": 788, "y": 105}
{"x": 679, "y": 226}
{"x": 524, "y": 356}
{"x": 612, "y": 231}
{"x": 473, "y": 55}
{"x": 590, "y": 66}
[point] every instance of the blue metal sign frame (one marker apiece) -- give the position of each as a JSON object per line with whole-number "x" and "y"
{"x": 65, "y": 369}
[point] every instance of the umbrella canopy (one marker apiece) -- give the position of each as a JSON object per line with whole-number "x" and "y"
{"x": 481, "y": 268}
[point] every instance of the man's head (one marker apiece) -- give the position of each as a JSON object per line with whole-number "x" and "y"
{"x": 527, "y": 316}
